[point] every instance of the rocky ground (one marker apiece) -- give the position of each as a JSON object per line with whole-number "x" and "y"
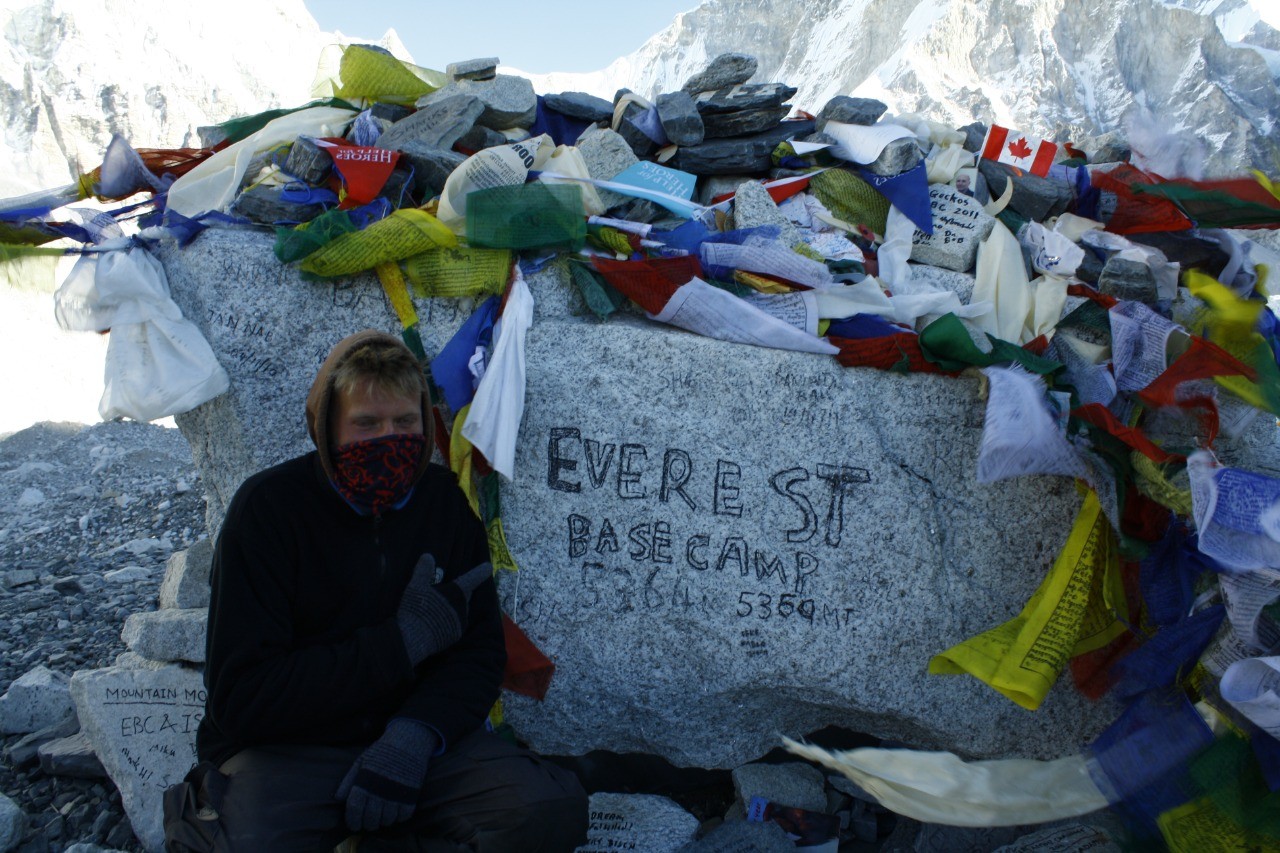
{"x": 88, "y": 516}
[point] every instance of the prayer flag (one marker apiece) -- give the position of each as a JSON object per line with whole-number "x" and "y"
{"x": 1019, "y": 150}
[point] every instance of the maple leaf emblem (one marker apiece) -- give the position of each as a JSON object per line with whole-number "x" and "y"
{"x": 1020, "y": 149}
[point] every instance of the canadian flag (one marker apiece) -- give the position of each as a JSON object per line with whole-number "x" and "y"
{"x": 1019, "y": 150}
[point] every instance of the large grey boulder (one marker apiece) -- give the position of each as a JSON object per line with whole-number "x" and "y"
{"x": 717, "y": 543}
{"x": 33, "y": 701}
{"x": 142, "y": 725}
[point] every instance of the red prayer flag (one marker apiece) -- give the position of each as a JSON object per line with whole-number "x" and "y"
{"x": 1137, "y": 213}
{"x": 528, "y": 671}
{"x": 649, "y": 283}
{"x": 364, "y": 169}
{"x": 1031, "y": 153}
{"x": 1101, "y": 417}
{"x": 885, "y": 353}
{"x": 1203, "y": 359}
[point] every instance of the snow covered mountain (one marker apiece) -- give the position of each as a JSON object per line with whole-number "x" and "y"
{"x": 72, "y": 72}
{"x": 1204, "y": 70}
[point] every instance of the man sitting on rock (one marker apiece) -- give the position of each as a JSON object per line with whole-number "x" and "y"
{"x": 355, "y": 648}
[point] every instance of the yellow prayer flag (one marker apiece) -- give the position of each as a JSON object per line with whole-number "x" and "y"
{"x": 1232, "y": 324}
{"x": 1200, "y": 825}
{"x": 760, "y": 283}
{"x": 460, "y": 460}
{"x": 499, "y": 554}
{"x": 363, "y": 72}
{"x": 397, "y": 294}
{"x": 459, "y": 271}
{"x": 1073, "y": 611}
{"x": 406, "y": 232}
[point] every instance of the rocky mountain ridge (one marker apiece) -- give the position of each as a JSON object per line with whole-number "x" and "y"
{"x": 1193, "y": 79}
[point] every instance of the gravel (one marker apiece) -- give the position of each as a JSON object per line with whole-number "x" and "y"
{"x": 88, "y": 516}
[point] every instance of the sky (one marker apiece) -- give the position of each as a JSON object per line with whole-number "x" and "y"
{"x": 537, "y": 37}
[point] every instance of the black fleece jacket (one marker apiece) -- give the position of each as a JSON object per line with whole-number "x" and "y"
{"x": 303, "y": 645}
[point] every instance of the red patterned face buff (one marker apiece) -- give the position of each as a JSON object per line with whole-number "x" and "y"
{"x": 375, "y": 474}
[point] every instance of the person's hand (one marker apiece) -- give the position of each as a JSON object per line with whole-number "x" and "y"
{"x": 432, "y": 614}
{"x": 382, "y": 786}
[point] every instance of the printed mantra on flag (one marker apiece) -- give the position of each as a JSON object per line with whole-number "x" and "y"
{"x": 638, "y": 564}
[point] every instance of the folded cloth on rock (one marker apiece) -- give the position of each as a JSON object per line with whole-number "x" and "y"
{"x": 939, "y": 787}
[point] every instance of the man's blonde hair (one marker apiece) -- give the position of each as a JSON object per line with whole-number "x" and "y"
{"x": 382, "y": 366}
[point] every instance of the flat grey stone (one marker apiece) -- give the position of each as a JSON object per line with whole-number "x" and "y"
{"x": 794, "y": 784}
{"x": 753, "y": 207}
{"x": 714, "y": 186}
{"x": 25, "y": 751}
{"x": 847, "y": 110}
{"x": 683, "y": 674}
{"x": 168, "y": 635}
{"x": 742, "y": 122}
{"x": 71, "y": 756}
{"x": 939, "y": 838}
{"x": 636, "y": 822}
{"x": 473, "y": 69}
{"x": 431, "y": 166}
{"x": 13, "y": 824}
{"x": 308, "y": 161}
{"x": 959, "y": 225}
{"x": 580, "y": 105}
{"x": 479, "y": 138}
{"x": 19, "y": 577}
{"x": 640, "y": 143}
{"x": 1033, "y": 196}
{"x": 438, "y": 124}
{"x": 133, "y": 660}
{"x": 1129, "y": 280}
{"x": 267, "y": 205}
{"x": 1065, "y": 838}
{"x": 897, "y": 157}
{"x": 727, "y": 69}
{"x": 509, "y": 101}
{"x": 37, "y": 699}
{"x": 739, "y": 836}
{"x": 86, "y": 847}
{"x": 186, "y": 577}
{"x": 680, "y": 119}
{"x": 974, "y": 135}
{"x": 142, "y": 726}
{"x": 739, "y": 155}
{"x": 606, "y": 154}
{"x": 746, "y": 96}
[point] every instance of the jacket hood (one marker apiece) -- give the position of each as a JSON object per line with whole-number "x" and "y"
{"x": 320, "y": 398}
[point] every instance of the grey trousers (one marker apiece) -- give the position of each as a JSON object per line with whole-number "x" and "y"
{"x": 482, "y": 794}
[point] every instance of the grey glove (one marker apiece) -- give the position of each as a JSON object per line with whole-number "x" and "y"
{"x": 432, "y": 614}
{"x": 383, "y": 784}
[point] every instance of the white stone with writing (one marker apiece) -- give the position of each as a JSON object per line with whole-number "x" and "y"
{"x": 959, "y": 225}
{"x": 142, "y": 724}
{"x": 643, "y": 823}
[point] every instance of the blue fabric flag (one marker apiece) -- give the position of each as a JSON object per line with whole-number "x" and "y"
{"x": 909, "y": 192}
{"x": 1140, "y": 760}
{"x": 1174, "y": 648}
{"x": 451, "y": 368}
{"x": 861, "y": 326}
{"x": 1168, "y": 575}
{"x": 564, "y": 130}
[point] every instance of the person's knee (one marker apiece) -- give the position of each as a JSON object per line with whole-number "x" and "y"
{"x": 548, "y": 826}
